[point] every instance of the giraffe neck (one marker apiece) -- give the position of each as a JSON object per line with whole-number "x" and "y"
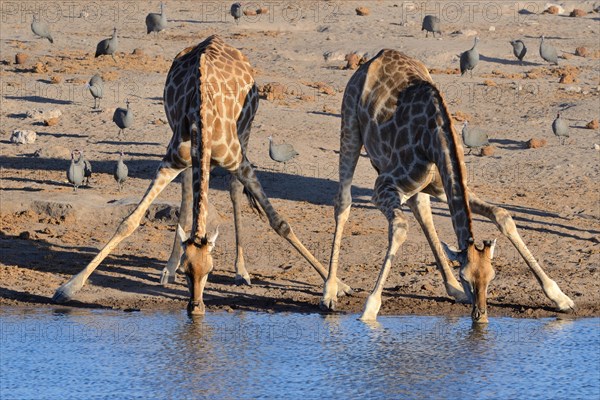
{"x": 447, "y": 154}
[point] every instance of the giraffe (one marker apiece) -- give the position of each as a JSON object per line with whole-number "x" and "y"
{"x": 210, "y": 100}
{"x": 393, "y": 108}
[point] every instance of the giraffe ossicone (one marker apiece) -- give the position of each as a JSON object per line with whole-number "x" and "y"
{"x": 393, "y": 108}
{"x": 210, "y": 101}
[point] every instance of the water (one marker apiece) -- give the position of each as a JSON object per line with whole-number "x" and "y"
{"x": 64, "y": 354}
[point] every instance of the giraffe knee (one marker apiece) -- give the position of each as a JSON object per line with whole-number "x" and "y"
{"x": 504, "y": 221}
{"x": 281, "y": 227}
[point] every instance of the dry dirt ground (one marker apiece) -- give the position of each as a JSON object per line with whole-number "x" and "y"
{"x": 48, "y": 232}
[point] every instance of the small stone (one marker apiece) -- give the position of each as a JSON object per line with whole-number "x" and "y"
{"x": 593, "y": 124}
{"x": 492, "y": 29}
{"x": 581, "y": 51}
{"x": 596, "y": 146}
{"x": 138, "y": 52}
{"x": 21, "y": 58}
{"x": 566, "y": 78}
{"x": 55, "y": 79}
{"x": 362, "y": 11}
{"x": 40, "y": 68}
{"x": 23, "y": 137}
{"x": 57, "y": 152}
{"x": 488, "y": 151}
{"x": 536, "y": 143}
{"x": 489, "y": 82}
{"x": 51, "y": 121}
{"x": 334, "y": 56}
{"x": 577, "y": 12}
{"x": 566, "y": 56}
{"x": 249, "y": 13}
{"x": 25, "y": 235}
{"x": 552, "y": 10}
{"x": 41, "y": 115}
{"x": 427, "y": 287}
{"x": 262, "y": 11}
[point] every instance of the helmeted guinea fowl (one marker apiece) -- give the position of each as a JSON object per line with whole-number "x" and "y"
{"x": 236, "y": 12}
{"x": 560, "y": 128}
{"x": 281, "y": 152}
{"x": 156, "y": 22}
{"x": 123, "y": 117}
{"x": 548, "y": 52}
{"x": 474, "y": 138}
{"x": 75, "y": 173}
{"x": 96, "y": 87}
{"x": 431, "y": 23}
{"x": 519, "y": 49}
{"x": 108, "y": 46}
{"x": 40, "y": 29}
{"x": 469, "y": 59}
{"x": 121, "y": 172}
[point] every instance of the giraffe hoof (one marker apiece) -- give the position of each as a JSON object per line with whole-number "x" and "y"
{"x": 63, "y": 294}
{"x": 167, "y": 277}
{"x": 344, "y": 290}
{"x": 242, "y": 280}
{"x": 328, "y": 304}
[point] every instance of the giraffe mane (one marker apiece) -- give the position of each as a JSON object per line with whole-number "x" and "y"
{"x": 456, "y": 152}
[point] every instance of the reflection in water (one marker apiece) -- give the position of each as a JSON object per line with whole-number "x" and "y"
{"x": 89, "y": 353}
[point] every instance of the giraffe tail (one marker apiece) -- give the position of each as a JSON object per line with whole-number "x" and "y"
{"x": 253, "y": 203}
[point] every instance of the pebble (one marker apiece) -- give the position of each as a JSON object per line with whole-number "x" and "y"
{"x": 23, "y": 136}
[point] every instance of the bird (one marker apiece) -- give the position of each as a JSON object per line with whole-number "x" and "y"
{"x": 469, "y": 59}
{"x": 560, "y": 128}
{"x": 236, "y": 12}
{"x": 281, "y": 152}
{"x": 96, "y": 87}
{"x": 548, "y": 52}
{"x": 108, "y": 46}
{"x": 519, "y": 49}
{"x": 87, "y": 170}
{"x": 156, "y": 22}
{"x": 474, "y": 138}
{"x": 40, "y": 29}
{"x": 123, "y": 118}
{"x": 121, "y": 171}
{"x": 75, "y": 173}
{"x": 431, "y": 23}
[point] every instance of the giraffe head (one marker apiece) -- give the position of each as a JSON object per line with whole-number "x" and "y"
{"x": 196, "y": 263}
{"x": 476, "y": 273}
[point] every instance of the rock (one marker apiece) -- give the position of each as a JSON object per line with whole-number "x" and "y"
{"x": 534, "y": 143}
{"x": 272, "y": 91}
{"x": 427, "y": 287}
{"x": 249, "y": 13}
{"x": 596, "y": 146}
{"x": 23, "y": 136}
{"x": 40, "y": 68}
{"x": 41, "y": 115}
{"x": 262, "y": 11}
{"x": 21, "y": 58}
{"x": 55, "y": 79}
{"x": 489, "y": 82}
{"x": 362, "y": 11}
{"x": 581, "y": 51}
{"x": 553, "y": 9}
{"x": 57, "y": 152}
{"x": 25, "y": 235}
{"x": 488, "y": 151}
{"x": 334, "y": 56}
{"x": 566, "y": 56}
{"x": 577, "y": 12}
{"x": 567, "y": 78}
{"x": 593, "y": 124}
{"x": 492, "y": 29}
{"x": 138, "y": 52}
{"x": 51, "y": 121}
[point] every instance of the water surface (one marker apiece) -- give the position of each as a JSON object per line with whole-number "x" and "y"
{"x": 63, "y": 354}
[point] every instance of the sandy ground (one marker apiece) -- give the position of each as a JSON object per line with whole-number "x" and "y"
{"x": 49, "y": 233}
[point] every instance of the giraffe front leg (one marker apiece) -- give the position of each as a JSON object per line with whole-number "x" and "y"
{"x": 507, "y": 226}
{"x": 164, "y": 176}
{"x": 388, "y": 200}
{"x": 169, "y": 273}
{"x": 420, "y": 205}
{"x": 236, "y": 191}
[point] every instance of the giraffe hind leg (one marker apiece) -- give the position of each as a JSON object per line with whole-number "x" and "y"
{"x": 236, "y": 192}
{"x": 246, "y": 175}
{"x": 164, "y": 176}
{"x": 421, "y": 208}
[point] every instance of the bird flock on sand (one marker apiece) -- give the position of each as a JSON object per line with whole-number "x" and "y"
{"x": 80, "y": 171}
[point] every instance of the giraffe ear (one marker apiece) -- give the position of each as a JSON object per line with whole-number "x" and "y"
{"x": 181, "y": 234}
{"x": 212, "y": 239}
{"x": 453, "y": 253}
